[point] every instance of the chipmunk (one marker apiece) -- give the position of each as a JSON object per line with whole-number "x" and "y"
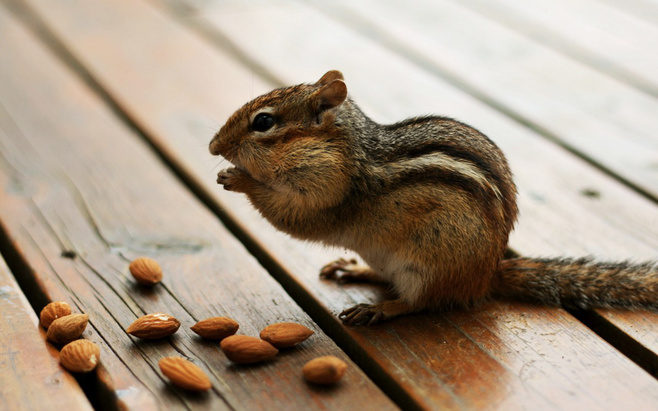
{"x": 428, "y": 203}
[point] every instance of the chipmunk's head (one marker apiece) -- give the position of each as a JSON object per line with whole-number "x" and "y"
{"x": 288, "y": 139}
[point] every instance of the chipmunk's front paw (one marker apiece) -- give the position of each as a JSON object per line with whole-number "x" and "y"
{"x": 233, "y": 179}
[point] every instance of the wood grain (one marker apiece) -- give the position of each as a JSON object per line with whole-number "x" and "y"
{"x": 601, "y": 118}
{"x": 533, "y": 355}
{"x": 83, "y": 195}
{"x": 30, "y": 376}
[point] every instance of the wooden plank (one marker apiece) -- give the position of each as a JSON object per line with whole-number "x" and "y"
{"x": 579, "y": 29}
{"x": 30, "y": 376}
{"x": 76, "y": 179}
{"x": 502, "y": 356}
{"x": 644, "y": 9}
{"x": 601, "y": 118}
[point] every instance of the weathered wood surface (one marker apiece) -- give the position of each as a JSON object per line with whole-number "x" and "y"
{"x": 76, "y": 179}
{"x": 560, "y": 215}
{"x": 30, "y": 377}
{"x": 606, "y": 120}
{"x": 607, "y": 38}
{"x": 500, "y": 356}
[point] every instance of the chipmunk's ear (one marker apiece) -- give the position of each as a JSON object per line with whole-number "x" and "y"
{"x": 330, "y": 76}
{"x": 330, "y": 95}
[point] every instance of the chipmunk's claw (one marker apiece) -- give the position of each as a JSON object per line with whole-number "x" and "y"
{"x": 225, "y": 177}
{"x": 235, "y": 179}
{"x": 374, "y": 313}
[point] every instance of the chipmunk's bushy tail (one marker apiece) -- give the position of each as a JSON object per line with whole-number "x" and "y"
{"x": 578, "y": 283}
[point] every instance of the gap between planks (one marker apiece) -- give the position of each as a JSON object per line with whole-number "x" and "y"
{"x": 28, "y": 364}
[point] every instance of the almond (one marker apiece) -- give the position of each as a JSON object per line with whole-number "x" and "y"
{"x": 68, "y": 328}
{"x": 185, "y": 374}
{"x": 244, "y": 349}
{"x": 324, "y": 370}
{"x": 154, "y": 326}
{"x": 53, "y": 311}
{"x": 80, "y": 356}
{"x": 285, "y": 335}
{"x": 215, "y": 328}
{"x": 146, "y": 271}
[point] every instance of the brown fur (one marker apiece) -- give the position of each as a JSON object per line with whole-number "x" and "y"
{"x": 428, "y": 203}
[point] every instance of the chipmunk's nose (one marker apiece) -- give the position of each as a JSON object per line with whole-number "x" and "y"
{"x": 213, "y": 147}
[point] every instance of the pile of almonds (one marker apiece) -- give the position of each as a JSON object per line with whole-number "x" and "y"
{"x": 65, "y": 328}
{"x": 77, "y": 355}
{"x": 241, "y": 349}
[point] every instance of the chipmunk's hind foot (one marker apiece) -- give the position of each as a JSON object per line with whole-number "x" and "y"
{"x": 370, "y": 314}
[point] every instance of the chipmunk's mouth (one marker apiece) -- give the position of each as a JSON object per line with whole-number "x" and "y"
{"x": 229, "y": 155}
{"x": 238, "y": 164}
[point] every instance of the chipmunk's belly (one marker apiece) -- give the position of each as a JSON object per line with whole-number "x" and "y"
{"x": 409, "y": 283}
{"x": 384, "y": 263}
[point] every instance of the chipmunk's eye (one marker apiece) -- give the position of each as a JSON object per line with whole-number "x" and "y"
{"x": 263, "y": 122}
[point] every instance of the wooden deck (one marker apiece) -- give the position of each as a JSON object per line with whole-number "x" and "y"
{"x": 106, "y": 110}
